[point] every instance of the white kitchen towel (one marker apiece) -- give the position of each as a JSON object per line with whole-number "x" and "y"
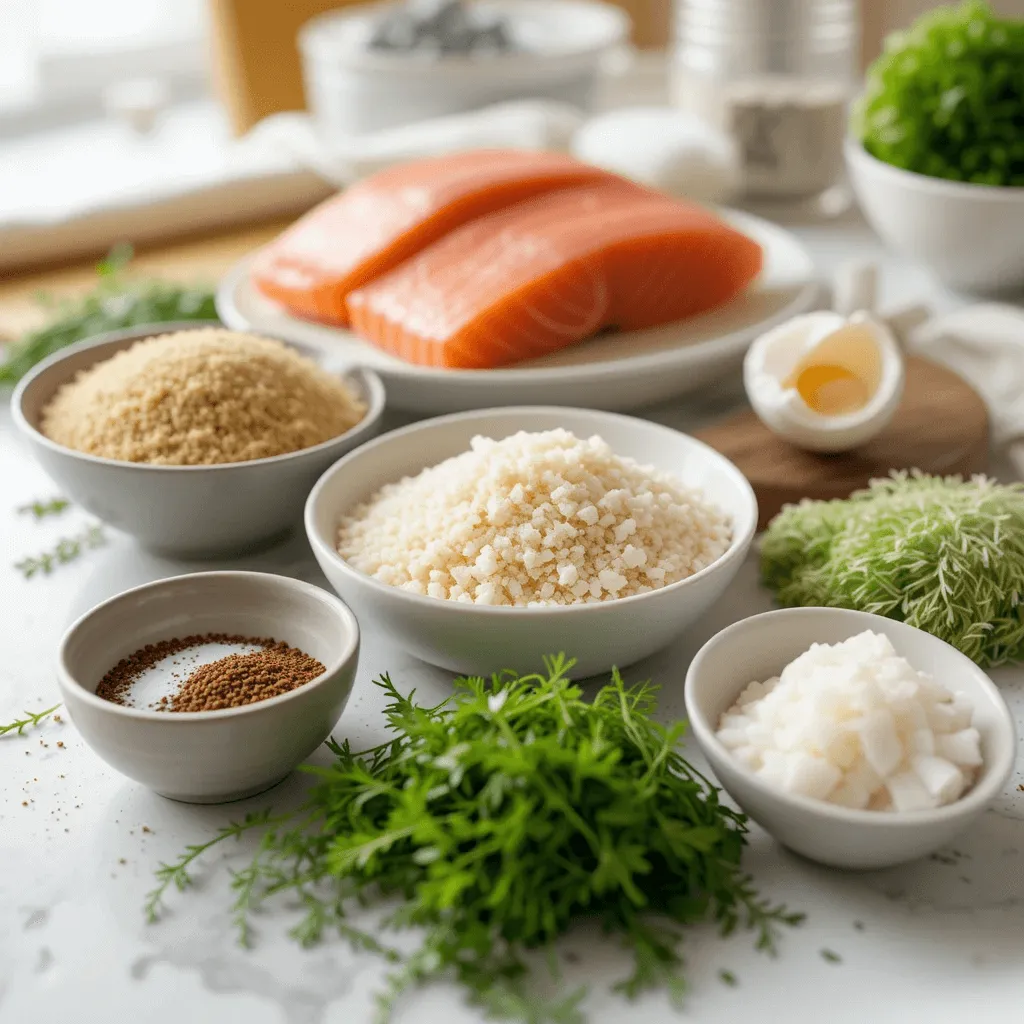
{"x": 525, "y": 124}
{"x": 985, "y": 345}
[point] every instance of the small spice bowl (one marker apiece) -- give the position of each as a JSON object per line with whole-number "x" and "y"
{"x": 758, "y": 648}
{"x": 211, "y": 756}
{"x": 186, "y": 511}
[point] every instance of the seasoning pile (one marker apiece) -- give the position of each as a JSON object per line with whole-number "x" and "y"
{"x": 855, "y": 724}
{"x": 229, "y": 682}
{"x": 534, "y": 519}
{"x": 200, "y": 398}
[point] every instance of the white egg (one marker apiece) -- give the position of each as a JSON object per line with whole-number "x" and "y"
{"x": 825, "y": 382}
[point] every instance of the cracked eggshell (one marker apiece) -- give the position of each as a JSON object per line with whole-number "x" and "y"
{"x": 859, "y": 344}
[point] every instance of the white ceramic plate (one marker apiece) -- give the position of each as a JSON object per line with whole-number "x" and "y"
{"x": 613, "y": 371}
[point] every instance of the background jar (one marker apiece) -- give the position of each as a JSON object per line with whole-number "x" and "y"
{"x": 777, "y": 76}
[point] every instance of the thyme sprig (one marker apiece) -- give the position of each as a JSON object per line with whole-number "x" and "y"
{"x": 41, "y": 509}
{"x": 500, "y": 818}
{"x": 67, "y": 549}
{"x": 30, "y": 721}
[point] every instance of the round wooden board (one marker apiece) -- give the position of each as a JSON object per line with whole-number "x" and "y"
{"x": 940, "y": 427}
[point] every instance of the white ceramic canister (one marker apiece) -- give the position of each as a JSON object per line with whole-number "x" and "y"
{"x": 777, "y": 76}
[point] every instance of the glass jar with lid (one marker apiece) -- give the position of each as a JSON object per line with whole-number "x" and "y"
{"x": 776, "y": 76}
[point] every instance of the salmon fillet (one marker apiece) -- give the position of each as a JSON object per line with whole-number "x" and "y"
{"x": 552, "y": 271}
{"x": 371, "y": 227}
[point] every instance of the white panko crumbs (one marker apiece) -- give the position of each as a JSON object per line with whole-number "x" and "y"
{"x": 534, "y": 519}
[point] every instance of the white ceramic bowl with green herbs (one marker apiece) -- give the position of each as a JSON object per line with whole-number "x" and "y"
{"x": 971, "y": 236}
{"x": 462, "y": 636}
{"x": 210, "y": 756}
{"x": 758, "y": 648}
{"x": 186, "y": 511}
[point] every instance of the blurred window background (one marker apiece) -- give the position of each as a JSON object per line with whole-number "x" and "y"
{"x": 115, "y": 105}
{"x": 62, "y": 60}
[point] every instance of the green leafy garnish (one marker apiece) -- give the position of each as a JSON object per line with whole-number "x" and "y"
{"x": 41, "y": 509}
{"x": 830, "y": 956}
{"x": 942, "y": 554}
{"x": 114, "y": 304}
{"x": 502, "y": 817}
{"x": 946, "y": 97}
{"x": 67, "y": 549}
{"x": 28, "y": 722}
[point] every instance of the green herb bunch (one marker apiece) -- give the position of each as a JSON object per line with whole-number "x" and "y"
{"x": 946, "y": 98}
{"x": 114, "y": 304}
{"x": 942, "y": 554}
{"x": 500, "y": 818}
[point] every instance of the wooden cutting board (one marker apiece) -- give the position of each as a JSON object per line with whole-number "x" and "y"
{"x": 941, "y": 427}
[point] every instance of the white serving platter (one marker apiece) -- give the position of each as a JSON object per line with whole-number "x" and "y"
{"x": 615, "y": 371}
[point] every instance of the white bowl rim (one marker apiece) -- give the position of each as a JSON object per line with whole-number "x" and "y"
{"x": 373, "y": 388}
{"x": 738, "y": 545}
{"x": 310, "y": 590}
{"x": 855, "y": 150}
{"x": 616, "y": 29}
{"x": 977, "y": 797}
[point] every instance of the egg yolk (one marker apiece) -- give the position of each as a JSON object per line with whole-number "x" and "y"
{"x": 832, "y": 390}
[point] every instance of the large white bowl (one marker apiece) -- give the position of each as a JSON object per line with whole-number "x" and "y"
{"x": 758, "y": 648}
{"x": 478, "y": 639}
{"x": 971, "y": 236}
{"x": 353, "y": 89}
{"x": 193, "y": 511}
{"x": 210, "y": 756}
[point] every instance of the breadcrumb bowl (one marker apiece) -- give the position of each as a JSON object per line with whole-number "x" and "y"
{"x": 210, "y": 756}
{"x": 758, "y": 648}
{"x": 471, "y": 637}
{"x": 188, "y": 511}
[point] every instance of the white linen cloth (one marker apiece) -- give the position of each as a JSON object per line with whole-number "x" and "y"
{"x": 985, "y": 345}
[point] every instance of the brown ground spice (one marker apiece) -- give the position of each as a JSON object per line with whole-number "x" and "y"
{"x": 246, "y": 678}
{"x": 230, "y": 682}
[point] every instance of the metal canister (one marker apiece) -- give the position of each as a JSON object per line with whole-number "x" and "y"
{"x": 777, "y": 76}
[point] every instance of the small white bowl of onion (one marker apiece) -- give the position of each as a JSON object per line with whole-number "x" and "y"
{"x": 798, "y": 777}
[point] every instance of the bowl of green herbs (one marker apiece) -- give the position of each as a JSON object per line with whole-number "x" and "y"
{"x": 936, "y": 150}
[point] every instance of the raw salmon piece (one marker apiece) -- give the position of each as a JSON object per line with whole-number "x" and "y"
{"x": 371, "y": 227}
{"x": 551, "y": 272}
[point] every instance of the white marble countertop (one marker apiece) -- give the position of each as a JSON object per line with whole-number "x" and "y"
{"x": 938, "y": 940}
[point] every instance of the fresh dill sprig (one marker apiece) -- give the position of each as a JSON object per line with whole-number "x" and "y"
{"x": 177, "y": 874}
{"x": 501, "y": 818}
{"x": 942, "y": 554}
{"x": 67, "y": 549}
{"x": 41, "y": 509}
{"x": 30, "y": 721}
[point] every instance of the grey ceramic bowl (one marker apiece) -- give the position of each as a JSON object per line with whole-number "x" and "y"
{"x": 210, "y": 756}
{"x": 758, "y": 648}
{"x": 188, "y": 511}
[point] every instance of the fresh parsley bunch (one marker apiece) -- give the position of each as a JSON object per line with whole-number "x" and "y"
{"x": 943, "y": 554}
{"x": 500, "y": 818}
{"x": 946, "y": 98}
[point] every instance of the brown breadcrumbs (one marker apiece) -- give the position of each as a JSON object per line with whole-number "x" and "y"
{"x": 228, "y": 682}
{"x": 201, "y": 397}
